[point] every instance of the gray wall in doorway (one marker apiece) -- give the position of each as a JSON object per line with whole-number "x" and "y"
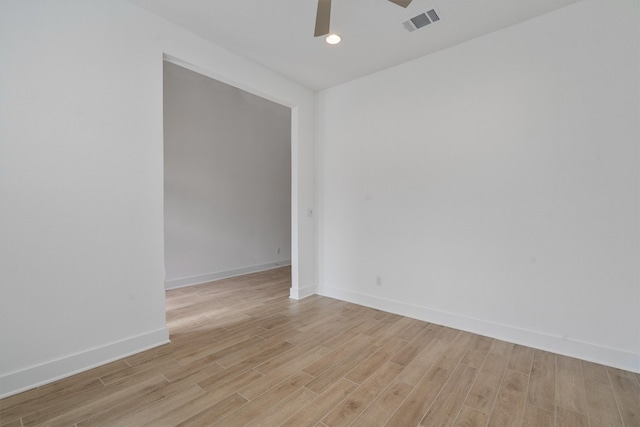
{"x": 227, "y": 179}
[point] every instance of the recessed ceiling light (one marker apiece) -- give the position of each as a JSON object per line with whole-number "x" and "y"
{"x": 333, "y": 39}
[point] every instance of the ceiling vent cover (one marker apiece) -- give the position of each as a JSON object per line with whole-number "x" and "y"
{"x": 421, "y": 20}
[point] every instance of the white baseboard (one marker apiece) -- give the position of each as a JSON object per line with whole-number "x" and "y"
{"x": 301, "y": 293}
{"x": 582, "y": 350}
{"x": 35, "y": 376}
{"x": 210, "y": 277}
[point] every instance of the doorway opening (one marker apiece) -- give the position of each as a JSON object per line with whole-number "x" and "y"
{"x": 227, "y": 180}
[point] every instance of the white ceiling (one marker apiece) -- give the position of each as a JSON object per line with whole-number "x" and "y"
{"x": 278, "y": 34}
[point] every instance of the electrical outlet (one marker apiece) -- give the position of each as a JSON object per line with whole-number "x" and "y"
{"x": 378, "y": 280}
{"x": 278, "y": 250}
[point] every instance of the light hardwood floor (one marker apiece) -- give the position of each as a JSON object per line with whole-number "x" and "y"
{"x": 243, "y": 353}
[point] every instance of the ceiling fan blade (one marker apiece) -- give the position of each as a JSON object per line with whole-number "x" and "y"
{"x": 403, "y": 3}
{"x": 323, "y": 17}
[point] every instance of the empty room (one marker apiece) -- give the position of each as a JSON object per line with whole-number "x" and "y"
{"x": 456, "y": 239}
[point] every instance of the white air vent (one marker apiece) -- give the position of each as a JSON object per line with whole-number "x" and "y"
{"x": 433, "y": 16}
{"x": 421, "y": 20}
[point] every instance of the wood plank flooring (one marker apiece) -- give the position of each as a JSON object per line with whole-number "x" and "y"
{"x": 243, "y": 353}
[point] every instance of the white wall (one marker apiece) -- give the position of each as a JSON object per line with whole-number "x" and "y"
{"x": 81, "y": 184}
{"x": 227, "y": 175}
{"x": 494, "y": 186}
